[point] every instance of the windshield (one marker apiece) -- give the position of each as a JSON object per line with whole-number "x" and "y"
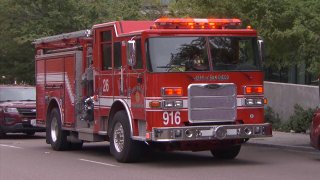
{"x": 182, "y": 54}
{"x": 17, "y": 94}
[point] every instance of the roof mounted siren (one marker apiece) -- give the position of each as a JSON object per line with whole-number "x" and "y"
{"x": 194, "y": 23}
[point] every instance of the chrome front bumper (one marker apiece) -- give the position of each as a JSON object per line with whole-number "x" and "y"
{"x": 216, "y": 132}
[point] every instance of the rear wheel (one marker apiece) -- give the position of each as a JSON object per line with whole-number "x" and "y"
{"x": 57, "y": 136}
{"x": 122, "y": 147}
{"x": 230, "y": 152}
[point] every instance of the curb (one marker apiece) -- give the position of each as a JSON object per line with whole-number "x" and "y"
{"x": 286, "y": 147}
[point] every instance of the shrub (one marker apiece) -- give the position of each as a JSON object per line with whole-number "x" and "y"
{"x": 273, "y": 118}
{"x": 300, "y": 121}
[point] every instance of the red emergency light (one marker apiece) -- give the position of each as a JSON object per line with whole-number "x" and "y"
{"x": 194, "y": 23}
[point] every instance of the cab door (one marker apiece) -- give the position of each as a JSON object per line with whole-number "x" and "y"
{"x": 136, "y": 85}
{"x": 119, "y": 72}
{"x": 105, "y": 81}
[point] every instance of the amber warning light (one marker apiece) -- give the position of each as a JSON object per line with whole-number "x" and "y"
{"x": 177, "y": 91}
{"x": 194, "y": 23}
{"x": 253, "y": 90}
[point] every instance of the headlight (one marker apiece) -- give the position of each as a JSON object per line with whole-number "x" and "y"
{"x": 254, "y": 102}
{"x": 173, "y": 104}
{"x": 11, "y": 110}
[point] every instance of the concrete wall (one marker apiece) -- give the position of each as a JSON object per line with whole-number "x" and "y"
{"x": 283, "y": 96}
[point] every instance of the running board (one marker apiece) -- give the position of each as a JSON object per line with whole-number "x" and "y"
{"x": 87, "y": 134}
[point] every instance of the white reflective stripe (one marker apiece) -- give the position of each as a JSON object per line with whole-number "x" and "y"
{"x": 40, "y": 78}
{"x": 50, "y": 77}
{"x": 57, "y": 78}
{"x": 163, "y": 110}
{"x": 54, "y": 77}
{"x": 108, "y": 100}
{"x": 71, "y": 95}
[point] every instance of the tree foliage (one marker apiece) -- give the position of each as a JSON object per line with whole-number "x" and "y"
{"x": 23, "y": 21}
{"x": 290, "y": 27}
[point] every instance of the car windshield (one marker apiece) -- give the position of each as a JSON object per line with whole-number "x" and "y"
{"x": 17, "y": 94}
{"x": 183, "y": 54}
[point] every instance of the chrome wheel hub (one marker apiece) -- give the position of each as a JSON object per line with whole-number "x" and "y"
{"x": 54, "y": 129}
{"x": 118, "y": 137}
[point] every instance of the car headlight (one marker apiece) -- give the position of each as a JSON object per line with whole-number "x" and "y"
{"x": 11, "y": 110}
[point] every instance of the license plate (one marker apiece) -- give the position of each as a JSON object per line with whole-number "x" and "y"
{"x": 208, "y": 132}
{"x": 33, "y": 122}
{"x": 232, "y": 132}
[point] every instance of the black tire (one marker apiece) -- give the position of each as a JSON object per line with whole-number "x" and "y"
{"x": 2, "y": 135}
{"x": 128, "y": 150}
{"x": 57, "y": 136}
{"x": 229, "y": 152}
{"x": 76, "y": 146}
{"x": 32, "y": 133}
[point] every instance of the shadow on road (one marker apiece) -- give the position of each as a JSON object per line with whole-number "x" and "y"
{"x": 167, "y": 159}
{"x": 21, "y": 136}
{"x": 98, "y": 150}
{"x": 188, "y": 159}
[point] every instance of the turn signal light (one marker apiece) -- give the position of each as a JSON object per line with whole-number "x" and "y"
{"x": 155, "y": 104}
{"x": 172, "y": 91}
{"x": 253, "y": 90}
{"x": 265, "y": 101}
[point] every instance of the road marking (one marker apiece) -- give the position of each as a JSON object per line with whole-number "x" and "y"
{"x": 16, "y": 147}
{"x": 96, "y": 162}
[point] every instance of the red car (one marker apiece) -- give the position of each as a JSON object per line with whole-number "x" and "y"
{"x": 18, "y": 110}
{"x": 315, "y": 129}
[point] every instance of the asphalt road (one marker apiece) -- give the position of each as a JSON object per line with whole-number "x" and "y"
{"x": 30, "y": 158}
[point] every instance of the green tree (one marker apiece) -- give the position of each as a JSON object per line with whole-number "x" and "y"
{"x": 290, "y": 27}
{"x": 23, "y": 21}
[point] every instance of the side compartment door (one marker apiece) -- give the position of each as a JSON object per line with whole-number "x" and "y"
{"x": 54, "y": 81}
{"x": 69, "y": 90}
{"x": 40, "y": 88}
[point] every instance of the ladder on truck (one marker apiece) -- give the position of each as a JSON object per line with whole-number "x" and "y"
{"x": 76, "y": 34}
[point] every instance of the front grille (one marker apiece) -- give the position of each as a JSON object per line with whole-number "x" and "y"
{"x": 212, "y": 102}
{"x": 27, "y": 112}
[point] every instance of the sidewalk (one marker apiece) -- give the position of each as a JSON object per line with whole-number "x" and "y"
{"x": 295, "y": 141}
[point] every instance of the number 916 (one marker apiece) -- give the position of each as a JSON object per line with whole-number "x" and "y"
{"x": 171, "y": 118}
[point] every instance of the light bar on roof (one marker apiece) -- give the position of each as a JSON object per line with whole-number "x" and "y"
{"x": 194, "y": 23}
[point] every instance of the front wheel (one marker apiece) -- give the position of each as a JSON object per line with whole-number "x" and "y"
{"x": 230, "y": 152}
{"x": 57, "y": 136}
{"x": 122, "y": 147}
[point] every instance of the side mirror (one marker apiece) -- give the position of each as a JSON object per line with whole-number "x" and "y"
{"x": 131, "y": 53}
{"x": 261, "y": 50}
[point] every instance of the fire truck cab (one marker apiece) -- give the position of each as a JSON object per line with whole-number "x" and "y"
{"x": 173, "y": 84}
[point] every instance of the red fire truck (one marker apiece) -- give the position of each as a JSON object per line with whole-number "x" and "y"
{"x": 172, "y": 84}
